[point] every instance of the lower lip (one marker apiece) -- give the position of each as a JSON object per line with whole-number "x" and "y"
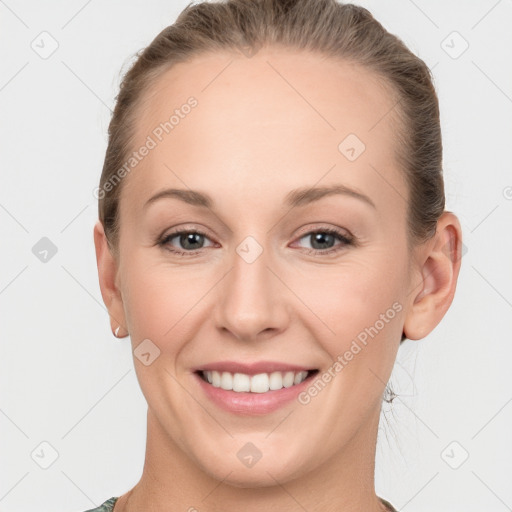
{"x": 252, "y": 403}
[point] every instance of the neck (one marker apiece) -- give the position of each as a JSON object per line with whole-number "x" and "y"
{"x": 172, "y": 481}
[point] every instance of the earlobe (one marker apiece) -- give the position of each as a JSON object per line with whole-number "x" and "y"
{"x": 108, "y": 277}
{"x": 439, "y": 271}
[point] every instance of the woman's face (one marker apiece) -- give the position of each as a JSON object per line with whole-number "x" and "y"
{"x": 278, "y": 280}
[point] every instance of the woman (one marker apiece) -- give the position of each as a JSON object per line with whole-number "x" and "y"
{"x": 271, "y": 228}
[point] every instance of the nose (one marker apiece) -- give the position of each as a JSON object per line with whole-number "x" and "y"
{"x": 252, "y": 301}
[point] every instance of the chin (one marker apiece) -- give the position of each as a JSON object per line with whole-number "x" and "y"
{"x": 254, "y": 478}
{"x": 263, "y": 473}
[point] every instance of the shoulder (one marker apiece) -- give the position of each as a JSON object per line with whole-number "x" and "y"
{"x": 388, "y": 505}
{"x": 106, "y": 506}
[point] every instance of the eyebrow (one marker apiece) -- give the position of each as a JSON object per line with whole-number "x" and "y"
{"x": 295, "y": 198}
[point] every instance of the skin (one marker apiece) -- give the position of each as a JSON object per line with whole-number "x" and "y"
{"x": 266, "y": 125}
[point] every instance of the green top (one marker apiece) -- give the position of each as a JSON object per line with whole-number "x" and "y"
{"x": 108, "y": 505}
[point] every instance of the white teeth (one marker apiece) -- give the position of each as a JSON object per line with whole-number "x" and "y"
{"x": 299, "y": 377}
{"x": 260, "y": 383}
{"x": 226, "y": 381}
{"x": 241, "y": 382}
{"x": 288, "y": 379}
{"x": 276, "y": 381}
{"x": 216, "y": 379}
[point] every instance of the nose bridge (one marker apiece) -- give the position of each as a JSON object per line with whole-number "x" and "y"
{"x": 252, "y": 300}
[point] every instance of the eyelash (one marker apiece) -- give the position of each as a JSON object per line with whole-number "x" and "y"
{"x": 346, "y": 241}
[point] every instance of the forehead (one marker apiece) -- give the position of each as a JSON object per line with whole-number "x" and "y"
{"x": 280, "y": 117}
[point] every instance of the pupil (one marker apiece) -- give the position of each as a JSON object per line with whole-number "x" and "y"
{"x": 322, "y": 239}
{"x": 188, "y": 238}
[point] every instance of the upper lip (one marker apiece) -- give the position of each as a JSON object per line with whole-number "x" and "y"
{"x": 252, "y": 368}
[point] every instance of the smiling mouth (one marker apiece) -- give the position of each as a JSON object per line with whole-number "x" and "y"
{"x": 259, "y": 383}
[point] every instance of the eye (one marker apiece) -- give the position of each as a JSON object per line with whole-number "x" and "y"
{"x": 192, "y": 241}
{"x": 323, "y": 241}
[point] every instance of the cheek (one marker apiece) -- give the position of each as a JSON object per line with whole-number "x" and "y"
{"x": 160, "y": 300}
{"x": 358, "y": 302}
{"x": 159, "y": 305}
{"x": 150, "y": 303}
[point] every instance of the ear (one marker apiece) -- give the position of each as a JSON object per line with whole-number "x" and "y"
{"x": 439, "y": 264}
{"x": 108, "y": 278}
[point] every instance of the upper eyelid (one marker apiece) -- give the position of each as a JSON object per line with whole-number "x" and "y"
{"x": 174, "y": 234}
{"x": 320, "y": 229}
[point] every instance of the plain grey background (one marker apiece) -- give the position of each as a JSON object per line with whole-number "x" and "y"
{"x": 72, "y": 417}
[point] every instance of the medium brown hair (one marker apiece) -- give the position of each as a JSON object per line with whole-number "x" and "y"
{"x": 328, "y": 27}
